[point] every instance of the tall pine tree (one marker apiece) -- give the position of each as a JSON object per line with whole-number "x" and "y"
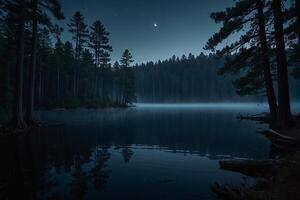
{"x": 127, "y": 79}
{"x": 249, "y": 54}
{"x": 80, "y": 35}
{"x": 18, "y": 118}
{"x": 99, "y": 43}
{"x": 284, "y": 118}
{"x": 39, "y": 9}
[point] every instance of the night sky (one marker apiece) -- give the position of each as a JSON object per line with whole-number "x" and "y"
{"x": 150, "y": 29}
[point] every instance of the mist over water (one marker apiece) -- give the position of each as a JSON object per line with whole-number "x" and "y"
{"x": 227, "y": 105}
{"x": 251, "y": 108}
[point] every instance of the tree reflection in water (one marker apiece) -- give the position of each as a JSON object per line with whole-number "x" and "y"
{"x": 79, "y": 179}
{"x": 99, "y": 174}
{"x": 33, "y": 162}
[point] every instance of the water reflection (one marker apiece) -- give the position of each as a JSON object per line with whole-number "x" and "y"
{"x": 139, "y": 153}
{"x": 100, "y": 172}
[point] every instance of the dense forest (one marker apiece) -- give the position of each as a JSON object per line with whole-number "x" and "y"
{"x": 197, "y": 79}
{"x": 186, "y": 79}
{"x": 51, "y": 73}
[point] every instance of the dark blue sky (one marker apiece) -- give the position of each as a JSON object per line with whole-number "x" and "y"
{"x": 183, "y": 26}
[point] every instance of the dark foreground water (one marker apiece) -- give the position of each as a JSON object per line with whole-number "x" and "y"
{"x": 147, "y": 152}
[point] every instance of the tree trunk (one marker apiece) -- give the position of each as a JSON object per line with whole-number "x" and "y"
{"x": 96, "y": 86}
{"x": 284, "y": 118}
{"x": 18, "y": 120}
{"x": 58, "y": 82}
{"x": 266, "y": 63}
{"x": 40, "y": 88}
{"x": 103, "y": 84}
{"x": 31, "y": 89}
{"x": 77, "y": 84}
{"x": 74, "y": 84}
{"x": 7, "y": 83}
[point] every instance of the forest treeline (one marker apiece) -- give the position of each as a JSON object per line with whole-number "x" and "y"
{"x": 185, "y": 79}
{"x": 39, "y": 69}
{"x": 194, "y": 79}
{"x": 190, "y": 78}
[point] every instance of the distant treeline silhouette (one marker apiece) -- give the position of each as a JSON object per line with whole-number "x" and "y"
{"x": 186, "y": 79}
{"x": 194, "y": 79}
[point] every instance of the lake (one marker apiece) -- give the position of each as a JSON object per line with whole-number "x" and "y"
{"x": 162, "y": 151}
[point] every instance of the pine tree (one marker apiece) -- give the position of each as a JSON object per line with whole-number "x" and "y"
{"x": 8, "y": 44}
{"x": 284, "y": 118}
{"x": 87, "y": 73}
{"x": 248, "y": 55}
{"x": 127, "y": 79}
{"x": 58, "y": 52}
{"x": 68, "y": 63}
{"x": 99, "y": 43}
{"x": 105, "y": 70}
{"x": 266, "y": 60}
{"x": 44, "y": 69}
{"x": 80, "y": 33}
{"x": 18, "y": 118}
{"x": 117, "y": 82}
{"x": 40, "y": 8}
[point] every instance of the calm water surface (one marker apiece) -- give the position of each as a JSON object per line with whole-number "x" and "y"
{"x": 145, "y": 152}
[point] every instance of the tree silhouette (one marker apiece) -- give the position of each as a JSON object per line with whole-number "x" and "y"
{"x": 79, "y": 184}
{"x": 99, "y": 43}
{"x": 127, "y": 79}
{"x": 18, "y": 119}
{"x": 99, "y": 173}
{"x": 80, "y": 35}
{"x": 39, "y": 11}
{"x": 284, "y": 109}
{"x": 58, "y": 51}
{"x": 251, "y": 57}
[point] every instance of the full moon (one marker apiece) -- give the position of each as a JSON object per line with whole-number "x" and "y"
{"x": 155, "y": 25}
